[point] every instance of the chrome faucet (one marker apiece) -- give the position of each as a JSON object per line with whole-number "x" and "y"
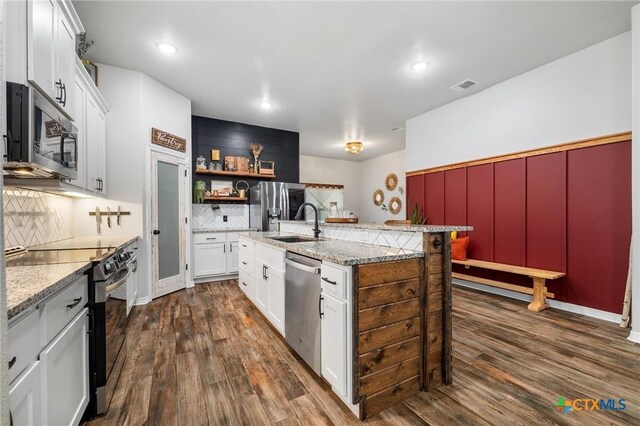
{"x": 316, "y": 229}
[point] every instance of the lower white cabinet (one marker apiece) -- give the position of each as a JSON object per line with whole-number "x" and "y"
{"x": 215, "y": 254}
{"x": 275, "y": 279}
{"x": 262, "y": 286}
{"x": 334, "y": 342}
{"x": 24, "y": 397}
{"x": 247, "y": 285}
{"x": 270, "y": 287}
{"x": 65, "y": 374}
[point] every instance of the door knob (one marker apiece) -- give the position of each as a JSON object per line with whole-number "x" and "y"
{"x": 156, "y": 232}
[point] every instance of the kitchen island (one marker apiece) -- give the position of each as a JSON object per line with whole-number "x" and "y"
{"x": 385, "y": 312}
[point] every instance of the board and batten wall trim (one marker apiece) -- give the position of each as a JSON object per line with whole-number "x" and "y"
{"x": 567, "y": 146}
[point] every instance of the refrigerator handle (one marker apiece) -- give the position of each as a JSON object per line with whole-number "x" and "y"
{"x": 285, "y": 201}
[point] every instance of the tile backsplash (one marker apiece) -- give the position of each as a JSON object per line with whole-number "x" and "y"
{"x": 32, "y": 217}
{"x": 205, "y": 217}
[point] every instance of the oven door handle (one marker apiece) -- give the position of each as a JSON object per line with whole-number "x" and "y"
{"x": 111, "y": 287}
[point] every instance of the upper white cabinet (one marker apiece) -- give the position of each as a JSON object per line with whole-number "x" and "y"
{"x": 51, "y": 50}
{"x": 91, "y": 110}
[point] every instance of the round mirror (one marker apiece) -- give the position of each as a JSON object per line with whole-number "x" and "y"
{"x": 395, "y": 205}
{"x": 391, "y": 182}
{"x": 378, "y": 197}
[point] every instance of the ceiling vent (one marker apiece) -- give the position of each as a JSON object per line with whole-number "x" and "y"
{"x": 463, "y": 85}
{"x": 396, "y": 129}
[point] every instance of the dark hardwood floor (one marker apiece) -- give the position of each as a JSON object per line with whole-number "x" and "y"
{"x": 206, "y": 356}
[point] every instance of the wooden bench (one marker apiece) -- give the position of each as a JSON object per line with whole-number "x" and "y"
{"x": 539, "y": 276}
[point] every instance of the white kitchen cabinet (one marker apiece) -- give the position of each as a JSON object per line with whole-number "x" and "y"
{"x": 247, "y": 284}
{"x": 210, "y": 259}
{"x": 65, "y": 374}
{"x": 232, "y": 258}
{"x": 51, "y": 50}
{"x": 275, "y": 279}
{"x": 262, "y": 287}
{"x": 25, "y": 397}
{"x": 95, "y": 137}
{"x": 334, "y": 342}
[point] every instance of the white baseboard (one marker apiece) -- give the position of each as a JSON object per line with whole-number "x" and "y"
{"x": 563, "y": 306}
{"x": 634, "y": 336}
{"x": 191, "y": 283}
{"x": 142, "y": 300}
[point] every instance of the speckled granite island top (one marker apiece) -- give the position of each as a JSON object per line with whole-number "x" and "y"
{"x": 337, "y": 251}
{"x": 208, "y": 230}
{"x": 28, "y": 285}
{"x": 383, "y": 227}
{"x": 98, "y": 242}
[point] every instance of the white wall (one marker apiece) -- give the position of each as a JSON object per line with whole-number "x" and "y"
{"x": 137, "y": 104}
{"x": 360, "y": 179}
{"x": 372, "y": 176}
{"x": 340, "y": 172}
{"x": 582, "y": 95}
{"x": 635, "y": 164}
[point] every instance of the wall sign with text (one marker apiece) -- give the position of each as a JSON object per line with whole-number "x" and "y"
{"x": 167, "y": 140}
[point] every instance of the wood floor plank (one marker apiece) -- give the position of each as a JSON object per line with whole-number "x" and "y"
{"x": 205, "y": 355}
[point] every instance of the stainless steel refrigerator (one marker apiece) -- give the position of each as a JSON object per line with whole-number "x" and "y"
{"x": 273, "y": 201}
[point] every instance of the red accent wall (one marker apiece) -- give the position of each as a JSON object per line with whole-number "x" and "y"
{"x": 415, "y": 193}
{"x": 434, "y": 197}
{"x": 480, "y": 211}
{"x": 598, "y": 225}
{"x": 568, "y": 211}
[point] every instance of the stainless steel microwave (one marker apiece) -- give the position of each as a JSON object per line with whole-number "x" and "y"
{"x": 40, "y": 141}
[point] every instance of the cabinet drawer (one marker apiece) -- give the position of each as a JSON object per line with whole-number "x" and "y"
{"x": 247, "y": 246}
{"x": 232, "y": 237}
{"x": 212, "y": 237}
{"x": 247, "y": 284}
{"x": 334, "y": 281}
{"x": 24, "y": 343}
{"x": 62, "y": 308}
{"x": 270, "y": 256}
{"x": 247, "y": 263}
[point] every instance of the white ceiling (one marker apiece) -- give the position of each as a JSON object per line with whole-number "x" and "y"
{"x": 338, "y": 71}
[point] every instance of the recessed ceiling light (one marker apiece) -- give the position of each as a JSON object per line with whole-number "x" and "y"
{"x": 166, "y": 48}
{"x": 265, "y": 105}
{"x": 420, "y": 66}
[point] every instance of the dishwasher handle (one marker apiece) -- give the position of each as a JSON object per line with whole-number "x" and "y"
{"x": 310, "y": 269}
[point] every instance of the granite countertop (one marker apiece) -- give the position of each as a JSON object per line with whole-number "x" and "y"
{"x": 383, "y": 227}
{"x": 337, "y": 251}
{"x": 97, "y": 242}
{"x": 29, "y": 285}
{"x": 208, "y": 230}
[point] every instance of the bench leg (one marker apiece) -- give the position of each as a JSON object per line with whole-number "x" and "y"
{"x": 539, "y": 291}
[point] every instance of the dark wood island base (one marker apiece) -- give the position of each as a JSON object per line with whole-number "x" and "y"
{"x": 402, "y": 327}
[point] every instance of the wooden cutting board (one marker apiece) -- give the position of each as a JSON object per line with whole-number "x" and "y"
{"x": 341, "y": 220}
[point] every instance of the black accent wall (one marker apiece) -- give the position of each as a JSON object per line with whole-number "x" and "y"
{"x": 232, "y": 138}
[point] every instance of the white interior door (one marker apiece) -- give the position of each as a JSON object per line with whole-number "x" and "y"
{"x": 168, "y": 244}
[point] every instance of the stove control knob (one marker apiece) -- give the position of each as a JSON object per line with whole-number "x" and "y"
{"x": 107, "y": 268}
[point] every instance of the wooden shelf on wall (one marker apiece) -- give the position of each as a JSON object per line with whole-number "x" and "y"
{"x": 237, "y": 174}
{"x": 223, "y": 198}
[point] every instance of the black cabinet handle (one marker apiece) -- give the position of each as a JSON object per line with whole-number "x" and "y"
{"x": 12, "y": 361}
{"x": 156, "y": 232}
{"x": 244, "y": 284}
{"x": 75, "y": 303}
{"x": 244, "y": 263}
{"x": 244, "y": 245}
{"x": 59, "y": 85}
{"x": 436, "y": 244}
{"x": 266, "y": 270}
{"x": 230, "y": 247}
{"x": 64, "y": 91}
{"x": 329, "y": 281}
{"x": 211, "y": 238}
{"x": 320, "y": 299}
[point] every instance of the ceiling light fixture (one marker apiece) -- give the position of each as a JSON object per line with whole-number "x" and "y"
{"x": 166, "y": 48}
{"x": 420, "y": 66}
{"x": 265, "y": 105}
{"x": 354, "y": 147}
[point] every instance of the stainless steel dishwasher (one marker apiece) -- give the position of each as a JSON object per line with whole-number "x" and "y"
{"x": 303, "y": 307}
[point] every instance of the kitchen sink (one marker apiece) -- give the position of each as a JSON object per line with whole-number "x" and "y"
{"x": 296, "y": 239}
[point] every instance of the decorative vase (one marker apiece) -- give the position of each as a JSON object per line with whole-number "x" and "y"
{"x": 256, "y": 166}
{"x": 333, "y": 209}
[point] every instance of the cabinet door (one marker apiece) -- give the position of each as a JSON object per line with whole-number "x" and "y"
{"x": 232, "y": 258}
{"x": 276, "y": 298}
{"x": 24, "y": 397}
{"x": 101, "y": 140}
{"x": 91, "y": 143}
{"x": 64, "y": 54}
{"x": 65, "y": 374}
{"x": 41, "y": 41}
{"x": 262, "y": 287}
{"x": 132, "y": 286}
{"x": 210, "y": 259}
{"x": 247, "y": 285}
{"x": 334, "y": 343}
{"x": 80, "y": 122}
